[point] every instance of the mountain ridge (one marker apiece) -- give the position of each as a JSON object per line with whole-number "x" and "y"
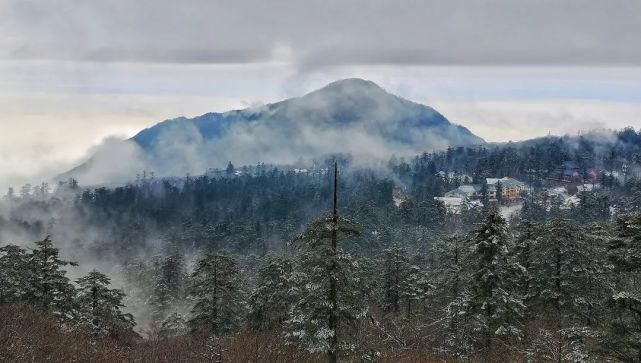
{"x": 353, "y": 115}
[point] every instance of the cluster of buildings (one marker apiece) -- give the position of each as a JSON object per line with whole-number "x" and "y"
{"x": 507, "y": 190}
{"x": 563, "y": 183}
{"x": 570, "y": 173}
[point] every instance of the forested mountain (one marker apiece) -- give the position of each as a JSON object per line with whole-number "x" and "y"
{"x": 340, "y": 104}
{"x": 249, "y": 263}
{"x": 351, "y": 116}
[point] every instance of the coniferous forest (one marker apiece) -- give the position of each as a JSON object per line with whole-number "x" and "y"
{"x": 333, "y": 260}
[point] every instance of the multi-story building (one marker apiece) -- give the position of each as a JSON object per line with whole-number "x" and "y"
{"x": 510, "y": 189}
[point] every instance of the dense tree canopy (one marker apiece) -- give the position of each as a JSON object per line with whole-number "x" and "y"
{"x": 393, "y": 274}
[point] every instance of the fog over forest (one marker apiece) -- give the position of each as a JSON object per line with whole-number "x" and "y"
{"x": 354, "y": 181}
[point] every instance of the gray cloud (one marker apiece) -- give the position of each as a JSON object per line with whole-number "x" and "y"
{"x": 319, "y": 33}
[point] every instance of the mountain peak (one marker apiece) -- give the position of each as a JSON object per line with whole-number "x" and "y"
{"x": 353, "y": 82}
{"x": 350, "y": 86}
{"x": 352, "y": 116}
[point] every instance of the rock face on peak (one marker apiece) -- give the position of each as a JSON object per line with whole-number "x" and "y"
{"x": 352, "y": 116}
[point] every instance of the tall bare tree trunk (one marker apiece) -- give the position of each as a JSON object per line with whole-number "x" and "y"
{"x": 333, "y": 298}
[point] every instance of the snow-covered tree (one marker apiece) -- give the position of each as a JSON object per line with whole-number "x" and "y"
{"x": 160, "y": 298}
{"x": 395, "y": 266}
{"x": 329, "y": 304}
{"x": 169, "y": 284}
{"x": 567, "y": 285}
{"x": 415, "y": 288}
{"x": 101, "y": 307}
{"x": 174, "y": 273}
{"x": 50, "y": 288}
{"x": 174, "y": 325}
{"x": 159, "y": 302}
{"x": 14, "y": 274}
{"x": 270, "y": 303}
{"x": 624, "y": 338}
{"x": 403, "y": 283}
{"x": 218, "y": 294}
{"x": 527, "y": 234}
{"x": 494, "y": 303}
{"x": 449, "y": 271}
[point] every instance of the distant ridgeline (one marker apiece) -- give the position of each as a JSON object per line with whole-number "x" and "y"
{"x": 351, "y": 116}
{"x": 242, "y": 197}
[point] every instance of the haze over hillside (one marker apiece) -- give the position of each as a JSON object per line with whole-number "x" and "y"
{"x": 352, "y": 116}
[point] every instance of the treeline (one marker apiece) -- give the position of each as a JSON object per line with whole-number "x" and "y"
{"x": 554, "y": 290}
{"x": 206, "y": 262}
{"x": 530, "y": 161}
{"x": 37, "y": 278}
{"x": 265, "y": 205}
{"x": 257, "y": 211}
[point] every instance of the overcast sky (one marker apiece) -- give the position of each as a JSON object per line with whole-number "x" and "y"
{"x": 75, "y": 72}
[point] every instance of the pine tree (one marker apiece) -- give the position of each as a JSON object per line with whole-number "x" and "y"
{"x": 218, "y": 294}
{"x": 160, "y": 299}
{"x": 138, "y": 283}
{"x": 101, "y": 306}
{"x": 174, "y": 273}
{"x": 415, "y": 288}
{"x": 624, "y": 338}
{"x": 271, "y": 301}
{"x": 230, "y": 170}
{"x": 173, "y": 326}
{"x": 14, "y": 274}
{"x": 395, "y": 264}
{"x": 527, "y": 234}
{"x": 50, "y": 289}
{"x": 449, "y": 273}
{"x": 323, "y": 319}
{"x": 566, "y": 283}
{"x": 494, "y": 304}
{"x": 169, "y": 284}
{"x": 329, "y": 305}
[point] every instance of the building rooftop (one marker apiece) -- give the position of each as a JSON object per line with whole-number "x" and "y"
{"x": 505, "y": 181}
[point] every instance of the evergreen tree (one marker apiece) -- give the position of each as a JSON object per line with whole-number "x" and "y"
{"x": 174, "y": 274}
{"x": 14, "y": 274}
{"x": 527, "y": 234}
{"x": 218, "y": 294}
{"x": 323, "y": 319}
{"x": 494, "y": 304}
{"x": 173, "y": 326}
{"x": 169, "y": 284}
{"x": 593, "y": 206}
{"x": 567, "y": 281}
{"x": 101, "y": 306}
{"x": 451, "y": 278}
{"x": 624, "y": 338}
{"x": 160, "y": 299}
{"x": 329, "y": 305}
{"x": 631, "y": 200}
{"x": 534, "y": 207}
{"x": 415, "y": 288}
{"x": 138, "y": 284}
{"x": 230, "y": 170}
{"x": 271, "y": 301}
{"x": 395, "y": 263}
{"x": 50, "y": 289}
